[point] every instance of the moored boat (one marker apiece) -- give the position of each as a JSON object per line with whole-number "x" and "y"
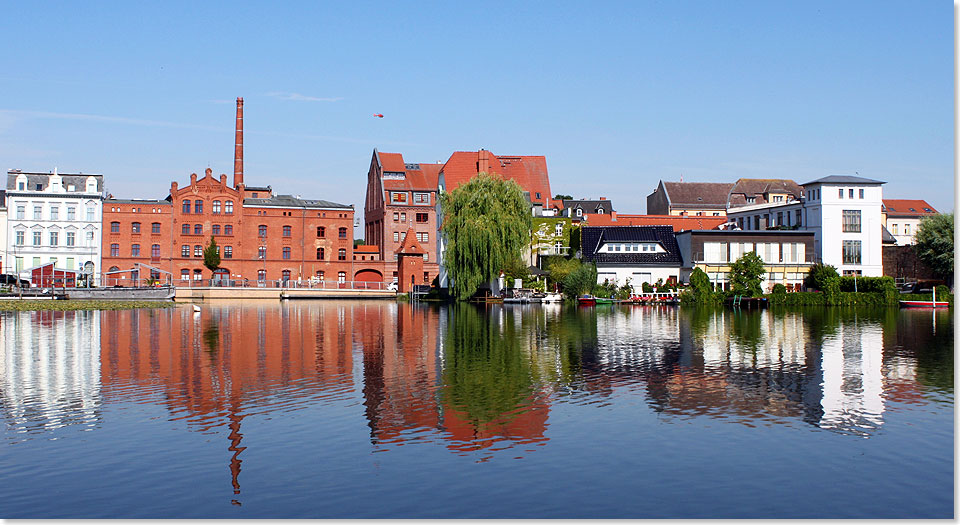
{"x": 933, "y": 303}
{"x": 586, "y": 300}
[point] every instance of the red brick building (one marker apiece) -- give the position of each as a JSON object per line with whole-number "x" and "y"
{"x": 261, "y": 236}
{"x": 401, "y": 196}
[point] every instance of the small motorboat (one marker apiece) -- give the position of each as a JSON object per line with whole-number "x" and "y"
{"x": 586, "y": 300}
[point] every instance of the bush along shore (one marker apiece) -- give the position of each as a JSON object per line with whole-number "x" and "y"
{"x": 51, "y": 304}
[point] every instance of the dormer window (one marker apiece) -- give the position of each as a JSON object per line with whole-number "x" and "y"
{"x": 599, "y": 210}
{"x": 751, "y": 200}
{"x": 579, "y": 212}
{"x": 39, "y": 187}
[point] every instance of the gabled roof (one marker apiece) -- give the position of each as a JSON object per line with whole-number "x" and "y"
{"x": 529, "y": 171}
{"x": 410, "y": 244}
{"x": 422, "y": 177}
{"x": 698, "y": 194}
{"x": 78, "y": 180}
{"x": 907, "y": 208}
{"x": 756, "y": 188}
{"x": 886, "y": 237}
{"x": 589, "y": 206}
{"x": 843, "y": 179}
{"x": 593, "y": 237}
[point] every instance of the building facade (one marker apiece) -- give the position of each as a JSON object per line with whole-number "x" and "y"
{"x": 689, "y": 198}
{"x": 632, "y": 254}
{"x": 55, "y": 218}
{"x": 901, "y": 217}
{"x": 844, "y": 214}
{"x": 787, "y": 254}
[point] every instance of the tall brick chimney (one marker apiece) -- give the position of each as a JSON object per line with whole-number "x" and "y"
{"x": 483, "y": 161}
{"x": 238, "y": 146}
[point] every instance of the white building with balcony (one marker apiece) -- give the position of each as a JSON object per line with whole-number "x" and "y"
{"x": 53, "y": 217}
{"x": 842, "y": 211}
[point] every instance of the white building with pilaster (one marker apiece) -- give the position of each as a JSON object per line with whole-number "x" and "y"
{"x": 53, "y": 217}
{"x": 842, "y": 211}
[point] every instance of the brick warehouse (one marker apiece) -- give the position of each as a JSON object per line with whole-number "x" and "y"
{"x": 261, "y": 235}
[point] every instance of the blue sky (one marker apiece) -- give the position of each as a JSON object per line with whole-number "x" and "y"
{"x": 616, "y": 95}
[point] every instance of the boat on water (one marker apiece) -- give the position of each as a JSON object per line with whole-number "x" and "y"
{"x": 933, "y": 303}
{"x": 586, "y": 300}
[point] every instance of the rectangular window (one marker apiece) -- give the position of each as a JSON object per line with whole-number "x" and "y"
{"x": 286, "y": 252}
{"x": 37, "y": 213}
{"x": 893, "y": 229}
{"x": 421, "y": 198}
{"x": 155, "y": 228}
{"x": 850, "y": 194}
{"x": 342, "y": 254}
{"x": 135, "y": 227}
{"x": 186, "y": 206}
{"x": 114, "y": 250}
{"x": 197, "y": 250}
{"x": 134, "y": 250}
{"x": 398, "y": 197}
{"x": 396, "y": 216}
{"x": 228, "y": 252}
{"x": 861, "y": 193}
{"x": 70, "y": 262}
{"x": 71, "y": 238}
{"x": 228, "y": 229}
{"x": 797, "y": 220}
{"x": 851, "y": 221}
{"x": 321, "y": 231}
{"x": 906, "y": 229}
{"x": 262, "y": 230}
{"x": 840, "y": 193}
{"x": 423, "y": 237}
{"x": 155, "y": 251}
{"x": 185, "y": 251}
{"x": 343, "y": 233}
{"x": 396, "y": 236}
{"x": 228, "y": 207}
{"x": 21, "y": 210}
{"x": 54, "y": 213}
{"x": 320, "y": 254}
{"x": 36, "y": 261}
{"x": 91, "y": 214}
{"x": 287, "y": 231}
{"x": 216, "y": 229}
{"x": 851, "y": 252}
{"x": 422, "y": 217}
{"x": 54, "y": 238}
{"x": 36, "y": 238}
{"x": 262, "y": 252}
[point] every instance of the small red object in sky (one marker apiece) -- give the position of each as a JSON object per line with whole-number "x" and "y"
{"x": 378, "y": 115}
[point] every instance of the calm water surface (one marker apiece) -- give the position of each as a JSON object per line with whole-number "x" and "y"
{"x": 376, "y": 409}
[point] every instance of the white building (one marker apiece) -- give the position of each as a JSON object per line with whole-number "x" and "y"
{"x": 634, "y": 254}
{"x": 53, "y": 218}
{"x": 4, "y": 263}
{"x": 844, "y": 214}
{"x": 902, "y": 218}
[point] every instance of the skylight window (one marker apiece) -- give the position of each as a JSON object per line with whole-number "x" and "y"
{"x": 928, "y": 210}
{"x": 911, "y": 209}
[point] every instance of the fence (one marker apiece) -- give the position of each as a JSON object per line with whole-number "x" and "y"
{"x": 247, "y": 283}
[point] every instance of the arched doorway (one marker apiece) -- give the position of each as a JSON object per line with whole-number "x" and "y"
{"x": 220, "y": 277}
{"x": 363, "y": 277}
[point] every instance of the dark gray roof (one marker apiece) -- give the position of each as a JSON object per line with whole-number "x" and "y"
{"x": 79, "y": 180}
{"x": 886, "y": 236}
{"x": 289, "y": 201}
{"x": 843, "y": 179}
{"x": 258, "y": 188}
{"x": 592, "y": 237}
{"x": 589, "y": 205}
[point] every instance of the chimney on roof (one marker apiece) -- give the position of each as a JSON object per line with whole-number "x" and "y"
{"x": 483, "y": 161}
{"x": 603, "y": 198}
{"x": 238, "y": 146}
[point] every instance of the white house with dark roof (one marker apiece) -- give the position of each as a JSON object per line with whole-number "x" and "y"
{"x": 642, "y": 254}
{"x": 843, "y": 212}
{"x": 53, "y": 217}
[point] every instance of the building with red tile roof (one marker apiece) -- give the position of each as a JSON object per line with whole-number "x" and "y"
{"x": 529, "y": 171}
{"x": 901, "y": 217}
{"x": 678, "y": 222}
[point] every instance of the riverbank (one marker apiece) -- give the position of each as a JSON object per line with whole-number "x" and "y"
{"x": 79, "y": 304}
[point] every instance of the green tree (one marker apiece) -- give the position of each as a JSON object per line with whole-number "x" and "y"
{"x": 211, "y": 255}
{"x": 701, "y": 291}
{"x": 746, "y": 274}
{"x": 560, "y": 268}
{"x": 357, "y": 242}
{"x": 562, "y": 197}
{"x": 580, "y": 281}
{"x": 824, "y": 277}
{"x": 933, "y": 244}
{"x": 487, "y": 224}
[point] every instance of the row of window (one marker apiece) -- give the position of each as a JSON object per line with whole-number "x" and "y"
{"x": 227, "y": 253}
{"x": 402, "y": 217}
{"x": 197, "y": 206}
{"x": 197, "y": 229}
{"x": 421, "y": 237}
{"x": 400, "y": 197}
{"x": 894, "y": 228}
{"x": 54, "y": 213}
{"x": 783, "y": 218}
{"x": 134, "y": 227}
{"x": 849, "y": 192}
{"x": 70, "y": 238}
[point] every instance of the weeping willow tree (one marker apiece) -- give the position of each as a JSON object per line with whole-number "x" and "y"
{"x": 487, "y": 224}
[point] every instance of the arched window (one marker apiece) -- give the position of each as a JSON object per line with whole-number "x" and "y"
{"x": 185, "y": 274}
{"x": 198, "y": 229}
{"x": 228, "y": 207}
{"x": 114, "y": 227}
{"x": 262, "y": 230}
{"x": 185, "y": 229}
{"x": 197, "y": 250}
{"x": 216, "y": 207}
{"x": 155, "y": 227}
{"x": 286, "y": 275}
{"x": 186, "y": 206}
{"x": 342, "y": 254}
{"x": 286, "y": 252}
{"x": 114, "y": 250}
{"x": 343, "y": 233}
{"x": 135, "y": 227}
{"x": 287, "y": 230}
{"x": 114, "y": 269}
{"x": 198, "y": 206}
{"x": 185, "y": 251}
{"x": 155, "y": 251}
{"x": 341, "y": 276}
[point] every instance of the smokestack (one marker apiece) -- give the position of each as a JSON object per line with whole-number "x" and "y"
{"x": 238, "y": 146}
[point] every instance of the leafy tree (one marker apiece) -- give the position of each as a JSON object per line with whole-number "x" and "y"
{"x": 357, "y": 242}
{"x": 700, "y": 288}
{"x": 824, "y": 277}
{"x": 580, "y": 281}
{"x": 516, "y": 269}
{"x": 211, "y": 255}
{"x": 487, "y": 224}
{"x": 746, "y": 274}
{"x": 562, "y": 197}
{"x": 933, "y": 244}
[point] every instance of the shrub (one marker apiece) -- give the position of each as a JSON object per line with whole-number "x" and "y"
{"x": 779, "y": 289}
{"x": 580, "y": 281}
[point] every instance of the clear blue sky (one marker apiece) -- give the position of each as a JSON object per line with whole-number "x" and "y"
{"x": 616, "y": 95}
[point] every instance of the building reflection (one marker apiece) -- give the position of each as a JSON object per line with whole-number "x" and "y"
{"x": 50, "y": 371}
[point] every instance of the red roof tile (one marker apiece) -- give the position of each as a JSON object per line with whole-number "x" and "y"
{"x": 687, "y": 222}
{"x": 410, "y": 244}
{"x": 423, "y": 179}
{"x": 529, "y": 171}
{"x": 901, "y": 207}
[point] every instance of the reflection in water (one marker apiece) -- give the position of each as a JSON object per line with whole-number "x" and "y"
{"x": 478, "y": 380}
{"x": 50, "y": 372}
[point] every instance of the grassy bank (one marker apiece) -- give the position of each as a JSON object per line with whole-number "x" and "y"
{"x": 51, "y": 304}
